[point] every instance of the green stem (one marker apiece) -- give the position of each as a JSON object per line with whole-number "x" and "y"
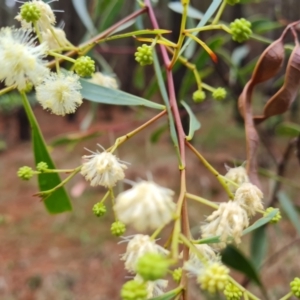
{"x": 287, "y": 296}
{"x": 185, "y": 4}
{"x": 37, "y": 31}
{"x": 54, "y": 54}
{"x": 202, "y": 200}
{"x": 212, "y": 170}
{"x": 7, "y": 89}
{"x": 105, "y": 196}
{"x": 210, "y": 27}
{"x": 112, "y": 197}
{"x": 219, "y": 13}
{"x": 249, "y": 294}
{"x": 157, "y": 232}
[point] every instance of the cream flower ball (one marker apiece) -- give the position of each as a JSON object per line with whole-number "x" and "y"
{"x": 145, "y": 206}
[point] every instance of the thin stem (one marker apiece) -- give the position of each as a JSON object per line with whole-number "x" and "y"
{"x": 112, "y": 197}
{"x": 210, "y": 27}
{"x": 64, "y": 57}
{"x": 7, "y": 89}
{"x": 157, "y": 232}
{"x": 287, "y": 296}
{"x": 250, "y": 295}
{"x": 212, "y": 170}
{"x": 37, "y": 31}
{"x": 202, "y": 200}
{"x": 185, "y": 4}
{"x": 105, "y": 196}
{"x": 219, "y": 13}
{"x": 126, "y": 137}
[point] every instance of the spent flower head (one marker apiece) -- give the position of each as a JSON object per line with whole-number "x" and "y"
{"x": 249, "y": 197}
{"x": 238, "y": 175}
{"x": 59, "y": 93}
{"x": 21, "y": 60}
{"x": 228, "y": 221}
{"x": 138, "y": 246}
{"x": 104, "y": 80}
{"x": 145, "y": 205}
{"x": 103, "y": 169}
{"x": 36, "y": 11}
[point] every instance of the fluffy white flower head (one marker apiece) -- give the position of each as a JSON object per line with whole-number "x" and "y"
{"x": 103, "y": 169}
{"x": 21, "y": 60}
{"x": 139, "y": 245}
{"x": 59, "y": 93}
{"x": 154, "y": 288}
{"x": 145, "y": 205}
{"x": 104, "y": 80}
{"x": 227, "y": 221}
{"x": 59, "y": 41}
{"x": 249, "y": 197}
{"x": 237, "y": 175}
{"x": 47, "y": 19}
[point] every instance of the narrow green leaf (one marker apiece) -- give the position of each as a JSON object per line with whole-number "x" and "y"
{"x": 262, "y": 221}
{"x": 81, "y": 9}
{"x": 289, "y": 209}
{"x": 192, "y": 12}
{"x": 165, "y": 97}
{"x": 58, "y": 201}
{"x": 288, "y": 129}
{"x": 235, "y": 259}
{"x": 208, "y": 14}
{"x": 194, "y": 123}
{"x": 259, "y": 246}
{"x": 101, "y": 94}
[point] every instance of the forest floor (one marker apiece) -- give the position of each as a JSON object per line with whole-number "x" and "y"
{"x": 73, "y": 256}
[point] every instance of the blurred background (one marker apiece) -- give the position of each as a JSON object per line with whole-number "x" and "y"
{"x": 73, "y": 255}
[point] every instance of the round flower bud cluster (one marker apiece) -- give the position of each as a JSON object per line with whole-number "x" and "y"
{"x": 134, "y": 290}
{"x": 145, "y": 205}
{"x": 177, "y": 274}
{"x": 99, "y": 209}
{"x": 152, "y": 266}
{"x": 30, "y": 12}
{"x": 103, "y": 169}
{"x": 295, "y": 287}
{"x": 42, "y": 166}
{"x": 117, "y": 228}
{"x": 214, "y": 278}
{"x": 143, "y": 55}
{"x": 240, "y": 30}
{"x": 84, "y": 66}
{"x": 25, "y": 173}
{"x": 276, "y": 218}
{"x": 232, "y": 2}
{"x": 219, "y": 93}
{"x": 232, "y": 292}
{"x": 199, "y": 96}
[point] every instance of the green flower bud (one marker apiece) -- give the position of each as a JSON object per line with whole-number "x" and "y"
{"x": 232, "y": 292}
{"x": 42, "y": 166}
{"x": 240, "y": 30}
{"x": 275, "y": 219}
{"x": 232, "y": 2}
{"x": 99, "y": 209}
{"x": 219, "y": 93}
{"x": 117, "y": 228}
{"x": 30, "y": 12}
{"x": 134, "y": 290}
{"x": 143, "y": 55}
{"x": 25, "y": 173}
{"x": 177, "y": 273}
{"x": 295, "y": 287}
{"x": 199, "y": 96}
{"x": 152, "y": 266}
{"x": 84, "y": 66}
